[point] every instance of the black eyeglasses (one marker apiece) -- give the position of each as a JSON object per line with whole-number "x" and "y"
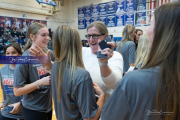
{"x": 93, "y": 36}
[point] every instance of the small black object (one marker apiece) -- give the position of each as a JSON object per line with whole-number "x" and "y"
{"x": 10, "y": 108}
{"x": 103, "y": 44}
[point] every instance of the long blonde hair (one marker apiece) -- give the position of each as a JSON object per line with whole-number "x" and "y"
{"x": 68, "y": 51}
{"x": 165, "y": 53}
{"x": 33, "y": 29}
{"x": 126, "y": 36}
{"x": 142, "y": 52}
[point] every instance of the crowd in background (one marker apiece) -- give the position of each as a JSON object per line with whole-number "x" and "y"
{"x": 17, "y": 35}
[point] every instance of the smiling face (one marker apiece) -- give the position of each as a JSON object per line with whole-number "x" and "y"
{"x": 93, "y": 42}
{"x": 42, "y": 38}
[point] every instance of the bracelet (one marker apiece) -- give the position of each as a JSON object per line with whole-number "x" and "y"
{"x": 2, "y": 102}
{"x": 102, "y": 64}
{"x": 37, "y": 85}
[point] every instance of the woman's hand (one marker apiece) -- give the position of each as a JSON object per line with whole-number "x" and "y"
{"x": 107, "y": 51}
{"x": 98, "y": 90}
{"x": 16, "y": 108}
{"x": 46, "y": 57}
{"x": 45, "y": 81}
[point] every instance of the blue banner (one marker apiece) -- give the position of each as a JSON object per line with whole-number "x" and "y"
{"x": 87, "y": 21}
{"x": 129, "y": 18}
{"x": 93, "y": 19}
{"x": 95, "y": 10}
{"x": 81, "y": 12}
{"x": 120, "y": 19}
{"x": 81, "y": 24}
{"x": 103, "y": 19}
{"x": 102, "y": 9}
{"x": 111, "y": 20}
{"x": 120, "y": 5}
{"x": 130, "y": 5}
{"x": 141, "y": 18}
{"x": 111, "y": 7}
{"x": 88, "y": 11}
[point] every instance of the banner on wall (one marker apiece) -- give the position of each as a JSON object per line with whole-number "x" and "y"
{"x": 102, "y": 9}
{"x": 103, "y": 19}
{"x": 81, "y": 24}
{"x": 14, "y": 22}
{"x": 129, "y": 18}
{"x": 95, "y": 10}
{"x": 81, "y": 12}
{"x": 141, "y": 16}
{"x": 120, "y": 6}
{"x": 111, "y": 20}
{"x": 87, "y": 10}
{"x": 130, "y": 5}
{"x": 87, "y": 21}
{"x": 120, "y": 19}
{"x": 111, "y": 7}
{"x": 93, "y": 19}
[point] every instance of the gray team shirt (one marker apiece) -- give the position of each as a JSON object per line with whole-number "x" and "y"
{"x": 128, "y": 52}
{"x": 134, "y": 98}
{"x": 39, "y": 99}
{"x": 77, "y": 95}
{"x": 7, "y": 80}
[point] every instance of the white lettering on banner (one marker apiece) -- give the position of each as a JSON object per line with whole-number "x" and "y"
{"x": 102, "y": 9}
{"x": 111, "y": 8}
{"x": 129, "y": 19}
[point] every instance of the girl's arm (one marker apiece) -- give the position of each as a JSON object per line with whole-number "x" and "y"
{"x": 18, "y": 91}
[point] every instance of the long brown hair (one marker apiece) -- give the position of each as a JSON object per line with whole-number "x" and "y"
{"x": 165, "y": 53}
{"x": 33, "y": 29}
{"x": 126, "y": 36}
{"x": 67, "y": 51}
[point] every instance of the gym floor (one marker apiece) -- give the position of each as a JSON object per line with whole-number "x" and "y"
{"x": 53, "y": 117}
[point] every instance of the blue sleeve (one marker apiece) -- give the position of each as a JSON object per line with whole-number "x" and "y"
{"x": 132, "y": 53}
{"x": 85, "y": 99}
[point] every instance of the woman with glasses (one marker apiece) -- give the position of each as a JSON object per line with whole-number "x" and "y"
{"x": 107, "y": 72}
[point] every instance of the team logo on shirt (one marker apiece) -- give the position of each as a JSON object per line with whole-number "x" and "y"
{"x": 42, "y": 72}
{"x": 8, "y": 86}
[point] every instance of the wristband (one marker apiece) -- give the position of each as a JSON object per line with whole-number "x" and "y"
{"x": 37, "y": 85}
{"x": 103, "y": 64}
{"x": 2, "y": 102}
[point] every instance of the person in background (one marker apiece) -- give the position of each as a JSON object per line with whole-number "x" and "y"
{"x": 139, "y": 32}
{"x": 7, "y": 22}
{"x": 152, "y": 93}
{"x": 1, "y": 30}
{"x": 7, "y": 80}
{"x": 142, "y": 52}
{"x": 127, "y": 47}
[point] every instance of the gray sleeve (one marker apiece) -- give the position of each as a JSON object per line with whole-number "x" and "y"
{"x": 21, "y": 75}
{"x": 132, "y": 53}
{"x": 85, "y": 99}
{"x": 117, "y": 107}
